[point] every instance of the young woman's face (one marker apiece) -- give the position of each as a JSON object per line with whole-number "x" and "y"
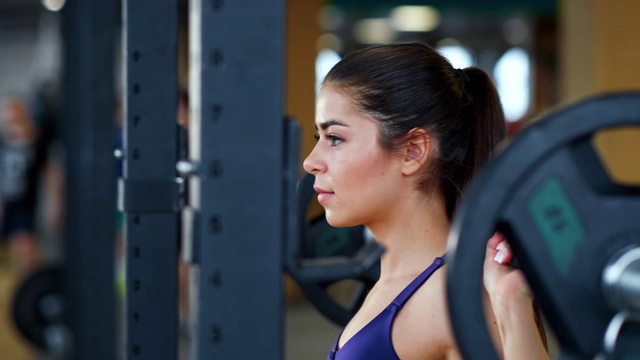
{"x": 356, "y": 179}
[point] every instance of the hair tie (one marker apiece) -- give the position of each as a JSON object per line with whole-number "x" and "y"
{"x": 463, "y": 76}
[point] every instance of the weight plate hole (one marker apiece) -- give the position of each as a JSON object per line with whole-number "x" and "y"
{"x": 615, "y": 148}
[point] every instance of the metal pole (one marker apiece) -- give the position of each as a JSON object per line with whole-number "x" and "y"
{"x": 89, "y": 29}
{"x": 237, "y": 138}
{"x": 149, "y": 191}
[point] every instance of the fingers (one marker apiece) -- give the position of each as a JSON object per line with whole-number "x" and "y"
{"x": 501, "y": 280}
{"x": 496, "y": 254}
{"x": 496, "y": 239}
{"x": 498, "y": 249}
{"x": 503, "y": 253}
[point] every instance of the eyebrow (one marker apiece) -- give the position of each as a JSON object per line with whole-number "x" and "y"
{"x": 325, "y": 125}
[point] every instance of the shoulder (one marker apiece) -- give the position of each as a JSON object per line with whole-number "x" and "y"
{"x": 422, "y": 329}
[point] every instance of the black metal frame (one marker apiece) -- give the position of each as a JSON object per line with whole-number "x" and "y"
{"x": 237, "y": 91}
{"x": 89, "y": 29}
{"x": 239, "y": 194}
{"x": 149, "y": 190}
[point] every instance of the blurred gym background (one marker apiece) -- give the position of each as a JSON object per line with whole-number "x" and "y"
{"x": 541, "y": 53}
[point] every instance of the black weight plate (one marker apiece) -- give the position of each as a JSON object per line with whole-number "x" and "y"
{"x": 332, "y": 308}
{"x": 27, "y": 317}
{"x": 324, "y": 240}
{"x": 323, "y": 256}
{"x": 563, "y": 217}
{"x": 315, "y": 274}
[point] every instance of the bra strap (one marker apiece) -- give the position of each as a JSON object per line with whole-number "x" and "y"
{"x": 402, "y": 298}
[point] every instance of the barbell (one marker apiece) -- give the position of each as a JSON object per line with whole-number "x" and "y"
{"x": 574, "y": 230}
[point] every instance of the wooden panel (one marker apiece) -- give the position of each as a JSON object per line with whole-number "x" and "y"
{"x": 600, "y": 47}
{"x": 616, "y": 45}
{"x": 618, "y": 149}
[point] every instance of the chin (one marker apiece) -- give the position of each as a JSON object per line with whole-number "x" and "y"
{"x": 338, "y": 221}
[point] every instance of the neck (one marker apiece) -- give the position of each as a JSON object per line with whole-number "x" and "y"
{"x": 412, "y": 237}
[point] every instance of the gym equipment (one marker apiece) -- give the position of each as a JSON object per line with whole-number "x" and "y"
{"x": 574, "y": 231}
{"x": 37, "y": 311}
{"x": 149, "y": 193}
{"x": 237, "y": 196}
{"x": 89, "y": 30}
{"x": 320, "y": 256}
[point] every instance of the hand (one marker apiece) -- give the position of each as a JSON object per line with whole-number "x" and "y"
{"x": 502, "y": 281}
{"x": 521, "y": 336}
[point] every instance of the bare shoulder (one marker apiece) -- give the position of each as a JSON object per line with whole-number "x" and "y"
{"x": 422, "y": 329}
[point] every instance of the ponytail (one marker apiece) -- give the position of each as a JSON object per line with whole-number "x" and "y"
{"x": 480, "y": 127}
{"x": 488, "y": 117}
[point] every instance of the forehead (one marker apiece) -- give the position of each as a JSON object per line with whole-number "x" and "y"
{"x": 331, "y": 98}
{"x": 337, "y": 104}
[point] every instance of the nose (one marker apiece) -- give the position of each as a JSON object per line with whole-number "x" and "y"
{"x": 312, "y": 164}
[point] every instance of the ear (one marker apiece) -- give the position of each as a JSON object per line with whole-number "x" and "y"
{"x": 416, "y": 150}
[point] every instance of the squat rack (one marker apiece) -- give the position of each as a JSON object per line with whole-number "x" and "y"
{"x": 236, "y": 206}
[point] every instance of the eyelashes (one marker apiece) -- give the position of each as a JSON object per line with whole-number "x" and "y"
{"x": 333, "y": 139}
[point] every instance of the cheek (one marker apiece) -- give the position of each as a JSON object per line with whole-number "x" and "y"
{"x": 364, "y": 174}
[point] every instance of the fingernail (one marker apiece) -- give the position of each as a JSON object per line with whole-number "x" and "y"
{"x": 501, "y": 246}
{"x": 499, "y": 258}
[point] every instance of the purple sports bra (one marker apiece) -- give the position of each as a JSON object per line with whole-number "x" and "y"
{"x": 373, "y": 342}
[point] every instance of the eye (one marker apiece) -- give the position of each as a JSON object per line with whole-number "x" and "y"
{"x": 335, "y": 140}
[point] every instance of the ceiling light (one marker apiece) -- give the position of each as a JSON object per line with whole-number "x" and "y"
{"x": 415, "y": 18}
{"x": 53, "y": 5}
{"x": 374, "y": 31}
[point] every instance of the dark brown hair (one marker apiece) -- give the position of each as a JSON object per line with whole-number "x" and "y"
{"x": 410, "y": 85}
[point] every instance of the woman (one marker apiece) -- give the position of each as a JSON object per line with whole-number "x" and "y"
{"x": 400, "y": 134}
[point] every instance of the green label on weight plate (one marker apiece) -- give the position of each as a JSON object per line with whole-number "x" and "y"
{"x": 557, "y": 222}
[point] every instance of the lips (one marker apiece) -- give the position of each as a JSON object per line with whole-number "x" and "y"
{"x": 323, "y": 195}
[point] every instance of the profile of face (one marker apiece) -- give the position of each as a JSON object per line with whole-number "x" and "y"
{"x": 355, "y": 177}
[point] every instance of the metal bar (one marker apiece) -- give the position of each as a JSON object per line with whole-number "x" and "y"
{"x": 237, "y": 54}
{"x": 151, "y": 151}
{"x": 89, "y": 29}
